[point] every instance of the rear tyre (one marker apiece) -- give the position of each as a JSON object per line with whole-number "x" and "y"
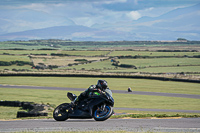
{"x": 102, "y": 115}
{"x": 60, "y": 113}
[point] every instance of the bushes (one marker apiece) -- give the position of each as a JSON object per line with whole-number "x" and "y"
{"x": 123, "y": 65}
{"x": 18, "y": 63}
{"x": 177, "y": 50}
{"x": 126, "y": 66}
{"x": 5, "y": 63}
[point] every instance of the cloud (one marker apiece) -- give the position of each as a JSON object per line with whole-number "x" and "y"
{"x": 32, "y": 14}
{"x": 133, "y": 5}
{"x": 134, "y": 15}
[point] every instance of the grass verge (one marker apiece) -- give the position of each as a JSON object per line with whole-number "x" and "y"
{"x": 155, "y": 115}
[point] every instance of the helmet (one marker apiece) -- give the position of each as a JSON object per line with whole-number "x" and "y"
{"x": 102, "y": 84}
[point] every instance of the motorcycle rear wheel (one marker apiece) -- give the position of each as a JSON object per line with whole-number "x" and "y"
{"x": 60, "y": 114}
{"x": 103, "y": 115}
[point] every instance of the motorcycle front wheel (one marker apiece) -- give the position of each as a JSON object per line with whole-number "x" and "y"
{"x": 60, "y": 113}
{"x": 102, "y": 115}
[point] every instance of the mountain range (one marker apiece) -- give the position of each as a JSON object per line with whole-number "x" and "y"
{"x": 178, "y": 23}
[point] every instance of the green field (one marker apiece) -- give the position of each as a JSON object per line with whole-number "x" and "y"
{"x": 92, "y": 45}
{"x": 86, "y": 53}
{"x": 14, "y": 58}
{"x": 55, "y": 97}
{"x": 157, "y": 65}
{"x": 161, "y": 62}
{"x": 164, "y": 70}
{"x": 146, "y": 61}
{"x": 152, "y": 53}
{"x": 28, "y": 52}
{"x": 62, "y": 61}
{"x": 49, "y": 52}
{"x": 114, "y": 84}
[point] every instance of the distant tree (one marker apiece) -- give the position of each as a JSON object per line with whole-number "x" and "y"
{"x": 181, "y": 39}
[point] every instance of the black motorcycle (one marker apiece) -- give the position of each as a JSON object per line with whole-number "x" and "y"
{"x": 97, "y": 106}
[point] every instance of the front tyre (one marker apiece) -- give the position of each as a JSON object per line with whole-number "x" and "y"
{"x": 60, "y": 113}
{"x": 102, "y": 115}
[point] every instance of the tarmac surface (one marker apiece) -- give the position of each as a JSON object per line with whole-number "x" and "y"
{"x": 136, "y": 125}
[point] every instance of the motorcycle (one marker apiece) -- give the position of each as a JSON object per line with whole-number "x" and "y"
{"x": 98, "y": 106}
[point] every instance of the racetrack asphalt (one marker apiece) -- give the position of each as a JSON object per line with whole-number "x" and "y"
{"x": 121, "y": 92}
{"x": 135, "y": 125}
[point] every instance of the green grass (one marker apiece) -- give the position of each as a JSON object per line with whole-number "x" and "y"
{"x": 48, "y": 52}
{"x": 14, "y": 58}
{"x": 56, "y": 97}
{"x": 15, "y": 67}
{"x": 8, "y": 112}
{"x": 168, "y": 70}
{"x": 28, "y": 52}
{"x": 61, "y": 61}
{"x": 86, "y": 53}
{"x": 151, "y": 53}
{"x": 155, "y": 102}
{"x": 121, "y": 100}
{"x": 113, "y": 83}
{"x": 53, "y": 97}
{"x": 96, "y": 65}
{"x": 10, "y": 45}
{"x": 156, "y": 65}
{"x": 160, "y": 62}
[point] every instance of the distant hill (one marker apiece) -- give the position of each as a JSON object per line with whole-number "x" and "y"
{"x": 59, "y": 32}
{"x": 178, "y": 23}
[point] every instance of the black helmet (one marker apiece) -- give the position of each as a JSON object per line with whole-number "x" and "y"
{"x": 102, "y": 84}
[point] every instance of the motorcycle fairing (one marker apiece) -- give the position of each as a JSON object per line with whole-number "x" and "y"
{"x": 78, "y": 113}
{"x": 97, "y": 101}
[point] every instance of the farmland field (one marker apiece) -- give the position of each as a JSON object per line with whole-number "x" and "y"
{"x": 101, "y": 61}
{"x": 161, "y": 62}
{"x": 62, "y": 61}
{"x": 152, "y": 53}
{"x": 28, "y": 52}
{"x": 13, "y": 58}
{"x": 86, "y": 53}
{"x": 163, "y": 70}
{"x": 49, "y": 52}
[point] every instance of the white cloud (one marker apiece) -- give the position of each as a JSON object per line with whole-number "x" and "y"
{"x": 48, "y": 13}
{"x": 134, "y": 15}
{"x": 114, "y": 1}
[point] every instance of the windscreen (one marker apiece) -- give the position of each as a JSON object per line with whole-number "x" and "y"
{"x": 109, "y": 92}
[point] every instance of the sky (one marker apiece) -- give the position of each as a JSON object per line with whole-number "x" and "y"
{"x": 22, "y": 15}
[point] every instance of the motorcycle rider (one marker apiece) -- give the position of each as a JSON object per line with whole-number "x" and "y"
{"x": 93, "y": 89}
